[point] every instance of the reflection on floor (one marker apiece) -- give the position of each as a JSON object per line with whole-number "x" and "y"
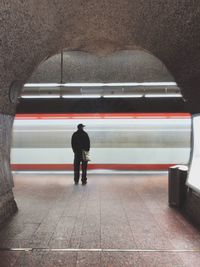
{"x": 126, "y": 218}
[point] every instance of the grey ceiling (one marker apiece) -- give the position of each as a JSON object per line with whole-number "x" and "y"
{"x": 123, "y": 66}
{"x": 31, "y": 31}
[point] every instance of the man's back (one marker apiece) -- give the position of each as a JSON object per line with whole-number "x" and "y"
{"x": 80, "y": 141}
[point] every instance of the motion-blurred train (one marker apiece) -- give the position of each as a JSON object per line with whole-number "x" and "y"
{"x": 118, "y": 141}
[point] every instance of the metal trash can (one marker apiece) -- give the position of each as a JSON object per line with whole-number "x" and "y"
{"x": 176, "y": 185}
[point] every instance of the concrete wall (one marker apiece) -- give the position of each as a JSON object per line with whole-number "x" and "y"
{"x": 191, "y": 208}
{"x": 7, "y": 202}
{"x": 33, "y": 30}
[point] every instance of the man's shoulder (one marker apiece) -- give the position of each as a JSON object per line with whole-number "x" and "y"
{"x": 74, "y": 134}
{"x": 79, "y": 133}
{"x": 85, "y": 133}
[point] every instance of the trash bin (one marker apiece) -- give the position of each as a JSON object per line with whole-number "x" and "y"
{"x": 176, "y": 185}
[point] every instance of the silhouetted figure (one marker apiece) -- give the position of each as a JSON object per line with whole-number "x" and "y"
{"x": 80, "y": 141}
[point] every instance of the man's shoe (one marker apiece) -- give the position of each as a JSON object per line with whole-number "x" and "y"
{"x": 84, "y": 183}
{"x": 76, "y": 183}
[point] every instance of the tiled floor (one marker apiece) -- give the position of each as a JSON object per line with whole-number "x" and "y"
{"x": 126, "y": 218}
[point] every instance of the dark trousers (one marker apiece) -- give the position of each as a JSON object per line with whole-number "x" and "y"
{"x": 77, "y": 161}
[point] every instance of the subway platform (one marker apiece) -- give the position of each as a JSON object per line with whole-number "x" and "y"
{"x": 115, "y": 220}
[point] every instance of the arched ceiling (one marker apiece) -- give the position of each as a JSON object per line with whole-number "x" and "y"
{"x": 31, "y": 31}
{"x": 121, "y": 66}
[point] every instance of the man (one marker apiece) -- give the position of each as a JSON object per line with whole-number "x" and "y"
{"x": 80, "y": 141}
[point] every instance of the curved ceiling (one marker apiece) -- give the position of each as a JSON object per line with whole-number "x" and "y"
{"x": 123, "y": 66}
{"x": 34, "y": 30}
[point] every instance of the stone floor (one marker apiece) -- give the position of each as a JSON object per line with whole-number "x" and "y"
{"x": 115, "y": 220}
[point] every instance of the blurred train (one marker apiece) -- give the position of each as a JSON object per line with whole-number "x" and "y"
{"x": 118, "y": 141}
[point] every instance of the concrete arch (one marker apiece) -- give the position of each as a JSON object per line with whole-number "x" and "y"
{"x": 31, "y": 31}
{"x": 120, "y": 66}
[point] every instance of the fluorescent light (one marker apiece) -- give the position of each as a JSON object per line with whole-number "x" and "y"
{"x": 157, "y": 84}
{"x": 123, "y": 96}
{"x": 142, "y": 84}
{"x": 83, "y": 84}
{"x": 81, "y": 96}
{"x": 123, "y": 84}
{"x": 40, "y": 96}
{"x": 163, "y": 95}
{"x": 104, "y": 96}
{"x": 42, "y": 84}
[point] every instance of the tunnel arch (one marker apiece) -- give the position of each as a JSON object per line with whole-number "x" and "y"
{"x": 33, "y": 31}
{"x": 102, "y": 29}
{"x": 120, "y": 66}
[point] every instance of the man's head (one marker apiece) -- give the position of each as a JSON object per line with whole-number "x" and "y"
{"x": 80, "y": 126}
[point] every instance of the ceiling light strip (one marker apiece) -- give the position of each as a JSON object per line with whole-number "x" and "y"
{"x": 162, "y": 95}
{"x": 81, "y": 96}
{"x": 104, "y": 96}
{"x": 123, "y": 96}
{"x": 40, "y": 96}
{"x": 136, "y": 84}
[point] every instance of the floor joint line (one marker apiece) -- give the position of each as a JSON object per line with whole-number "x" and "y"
{"x": 98, "y": 250}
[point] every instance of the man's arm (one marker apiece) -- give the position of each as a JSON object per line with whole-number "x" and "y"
{"x": 73, "y": 142}
{"x": 88, "y": 142}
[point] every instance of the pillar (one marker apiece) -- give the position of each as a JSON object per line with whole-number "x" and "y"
{"x": 9, "y": 94}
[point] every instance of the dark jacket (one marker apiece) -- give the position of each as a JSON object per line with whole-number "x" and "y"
{"x": 80, "y": 141}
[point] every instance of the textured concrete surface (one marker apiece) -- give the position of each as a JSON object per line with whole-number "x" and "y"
{"x": 122, "y": 66}
{"x": 7, "y": 203}
{"x": 111, "y": 212}
{"x": 8, "y": 206}
{"x": 192, "y": 207}
{"x": 32, "y": 31}
{"x": 6, "y": 180}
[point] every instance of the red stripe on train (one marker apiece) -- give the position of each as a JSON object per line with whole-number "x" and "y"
{"x": 17, "y": 167}
{"x": 103, "y": 116}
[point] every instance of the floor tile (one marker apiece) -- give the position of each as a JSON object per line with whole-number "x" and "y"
{"x": 110, "y": 212}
